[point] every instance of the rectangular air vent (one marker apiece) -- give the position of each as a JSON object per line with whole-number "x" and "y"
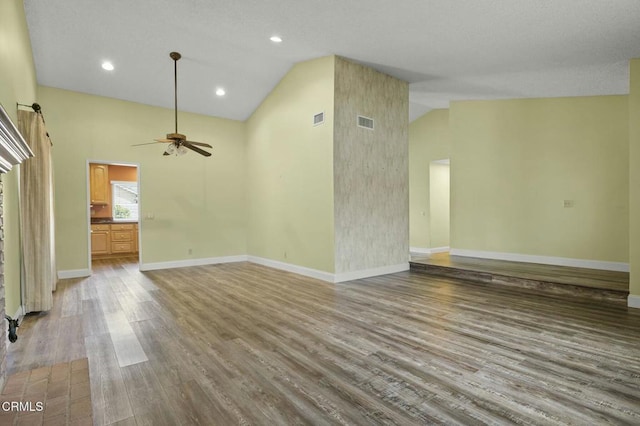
{"x": 318, "y": 119}
{"x": 365, "y": 122}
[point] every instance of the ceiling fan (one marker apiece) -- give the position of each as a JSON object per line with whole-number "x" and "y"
{"x": 178, "y": 143}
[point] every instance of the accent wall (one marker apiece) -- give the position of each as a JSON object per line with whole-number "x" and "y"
{"x": 371, "y": 169}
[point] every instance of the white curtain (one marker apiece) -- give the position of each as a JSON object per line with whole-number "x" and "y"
{"x": 37, "y": 216}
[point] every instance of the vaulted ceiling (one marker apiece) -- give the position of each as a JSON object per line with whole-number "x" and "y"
{"x": 446, "y": 49}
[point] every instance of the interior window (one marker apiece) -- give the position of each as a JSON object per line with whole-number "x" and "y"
{"x": 124, "y": 196}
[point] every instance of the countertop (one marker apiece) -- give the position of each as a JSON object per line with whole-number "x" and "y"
{"x": 106, "y": 221}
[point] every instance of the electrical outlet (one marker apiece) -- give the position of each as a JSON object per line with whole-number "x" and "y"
{"x": 190, "y": 251}
{"x": 568, "y": 203}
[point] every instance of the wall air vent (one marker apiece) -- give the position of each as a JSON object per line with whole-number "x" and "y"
{"x": 318, "y": 119}
{"x": 365, "y": 122}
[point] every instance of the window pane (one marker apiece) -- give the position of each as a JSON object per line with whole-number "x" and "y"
{"x": 125, "y": 200}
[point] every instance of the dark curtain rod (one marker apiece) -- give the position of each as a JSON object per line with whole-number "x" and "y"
{"x": 38, "y": 110}
{"x": 35, "y": 106}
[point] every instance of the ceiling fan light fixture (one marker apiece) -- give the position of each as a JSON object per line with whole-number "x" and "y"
{"x": 177, "y": 142}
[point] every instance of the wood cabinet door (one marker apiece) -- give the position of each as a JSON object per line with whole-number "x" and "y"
{"x": 99, "y": 183}
{"x": 135, "y": 239}
{"x": 100, "y": 242}
{"x": 123, "y": 247}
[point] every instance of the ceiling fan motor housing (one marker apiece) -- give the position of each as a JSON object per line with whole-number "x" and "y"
{"x": 176, "y": 136}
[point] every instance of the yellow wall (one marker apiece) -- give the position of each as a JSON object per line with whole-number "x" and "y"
{"x": 290, "y": 175}
{"x": 439, "y": 191}
{"x": 17, "y": 84}
{"x": 429, "y": 140}
{"x": 634, "y": 179}
{"x": 514, "y": 162}
{"x": 198, "y": 203}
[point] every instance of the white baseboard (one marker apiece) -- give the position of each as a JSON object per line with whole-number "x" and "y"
{"x": 296, "y": 269}
{"x": 440, "y": 249}
{"x": 424, "y": 250}
{"x": 545, "y": 260}
{"x": 419, "y": 250}
{"x": 367, "y": 273}
{"x": 192, "y": 262}
{"x": 74, "y": 273}
{"x": 633, "y": 301}
{"x": 300, "y": 270}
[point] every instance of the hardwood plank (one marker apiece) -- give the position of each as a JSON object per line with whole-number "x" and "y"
{"x": 108, "y": 389}
{"x": 124, "y": 339}
{"x": 584, "y": 277}
{"x": 245, "y": 344}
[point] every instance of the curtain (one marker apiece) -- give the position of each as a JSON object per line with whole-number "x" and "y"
{"x": 36, "y": 216}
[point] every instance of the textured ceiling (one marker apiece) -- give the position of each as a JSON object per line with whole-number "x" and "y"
{"x": 447, "y": 49}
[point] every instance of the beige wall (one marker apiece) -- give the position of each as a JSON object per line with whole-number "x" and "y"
{"x": 429, "y": 140}
{"x": 514, "y": 162}
{"x": 439, "y": 192}
{"x": 290, "y": 174}
{"x": 371, "y": 171}
{"x": 198, "y": 203}
{"x": 634, "y": 179}
{"x": 17, "y": 84}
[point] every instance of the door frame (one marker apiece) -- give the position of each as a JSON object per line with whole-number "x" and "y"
{"x": 88, "y": 205}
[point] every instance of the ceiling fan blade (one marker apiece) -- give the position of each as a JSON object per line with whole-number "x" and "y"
{"x": 148, "y": 143}
{"x": 206, "y": 145}
{"x": 196, "y": 149}
{"x": 164, "y": 140}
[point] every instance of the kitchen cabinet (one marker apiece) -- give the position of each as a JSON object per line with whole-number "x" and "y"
{"x": 122, "y": 240}
{"x": 99, "y": 184}
{"x": 114, "y": 239}
{"x": 100, "y": 239}
{"x": 135, "y": 238}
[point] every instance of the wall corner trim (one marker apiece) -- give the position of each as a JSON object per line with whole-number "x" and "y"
{"x": 191, "y": 262}
{"x": 74, "y": 273}
{"x": 424, "y": 250}
{"x": 419, "y": 250}
{"x": 367, "y": 273}
{"x": 633, "y": 301}
{"x": 545, "y": 260}
{"x": 300, "y": 270}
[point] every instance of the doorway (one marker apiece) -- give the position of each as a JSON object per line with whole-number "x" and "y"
{"x": 113, "y": 194}
{"x": 439, "y": 205}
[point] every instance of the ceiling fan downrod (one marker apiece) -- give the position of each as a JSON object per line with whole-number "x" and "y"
{"x": 175, "y": 56}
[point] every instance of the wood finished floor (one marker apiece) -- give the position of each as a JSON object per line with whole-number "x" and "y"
{"x": 583, "y": 277}
{"x": 244, "y": 344}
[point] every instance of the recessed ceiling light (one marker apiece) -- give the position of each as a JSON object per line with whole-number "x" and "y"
{"x": 276, "y": 39}
{"x": 220, "y": 91}
{"x": 107, "y": 66}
